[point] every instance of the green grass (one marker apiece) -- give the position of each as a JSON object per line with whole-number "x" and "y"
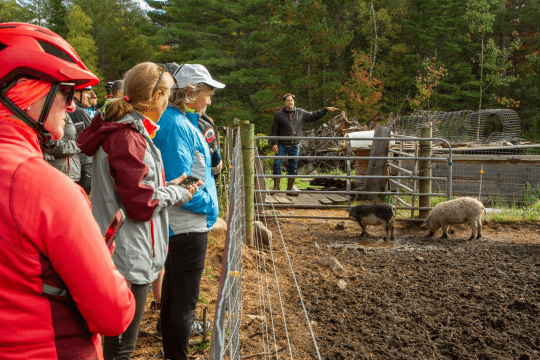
{"x": 208, "y": 273}
{"x": 514, "y": 213}
{"x": 302, "y": 185}
{"x": 202, "y": 300}
{"x": 201, "y": 346}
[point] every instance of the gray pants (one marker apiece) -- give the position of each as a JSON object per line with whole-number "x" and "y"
{"x": 121, "y": 347}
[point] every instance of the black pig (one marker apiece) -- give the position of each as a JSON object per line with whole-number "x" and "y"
{"x": 375, "y": 214}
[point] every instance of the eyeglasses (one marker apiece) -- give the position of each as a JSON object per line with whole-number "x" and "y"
{"x": 68, "y": 91}
{"x": 171, "y": 68}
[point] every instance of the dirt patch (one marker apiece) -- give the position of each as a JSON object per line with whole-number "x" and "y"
{"x": 412, "y": 298}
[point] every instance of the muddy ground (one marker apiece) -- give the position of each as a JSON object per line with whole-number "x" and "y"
{"x": 411, "y": 298}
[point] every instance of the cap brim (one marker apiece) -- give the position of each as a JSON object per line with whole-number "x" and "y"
{"x": 215, "y": 84}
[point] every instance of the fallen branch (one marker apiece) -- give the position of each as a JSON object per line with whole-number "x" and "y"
{"x": 262, "y": 354}
{"x": 256, "y": 334}
{"x": 149, "y": 334}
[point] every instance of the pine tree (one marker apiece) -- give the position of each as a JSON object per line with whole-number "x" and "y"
{"x": 229, "y": 38}
{"x": 303, "y": 51}
{"x": 117, "y": 31}
{"x": 438, "y": 29}
{"x": 57, "y": 17}
{"x": 523, "y": 17}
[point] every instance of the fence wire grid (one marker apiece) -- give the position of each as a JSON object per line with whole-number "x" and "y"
{"x": 272, "y": 300}
{"x": 276, "y": 306}
{"x": 228, "y": 314}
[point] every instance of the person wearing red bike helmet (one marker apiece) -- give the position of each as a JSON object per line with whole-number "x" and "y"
{"x": 59, "y": 288}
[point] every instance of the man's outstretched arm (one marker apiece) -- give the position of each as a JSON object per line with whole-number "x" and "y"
{"x": 316, "y": 115}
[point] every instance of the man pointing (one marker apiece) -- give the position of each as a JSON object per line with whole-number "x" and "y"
{"x": 288, "y": 122}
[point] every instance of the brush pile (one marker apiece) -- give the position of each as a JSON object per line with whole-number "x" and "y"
{"x": 338, "y": 126}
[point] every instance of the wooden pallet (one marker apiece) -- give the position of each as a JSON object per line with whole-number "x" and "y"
{"x": 322, "y": 199}
{"x": 283, "y": 199}
{"x": 336, "y": 197}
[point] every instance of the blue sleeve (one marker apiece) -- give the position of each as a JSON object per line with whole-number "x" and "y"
{"x": 177, "y": 142}
{"x": 177, "y": 148}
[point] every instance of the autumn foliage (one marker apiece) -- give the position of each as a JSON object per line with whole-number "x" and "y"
{"x": 361, "y": 95}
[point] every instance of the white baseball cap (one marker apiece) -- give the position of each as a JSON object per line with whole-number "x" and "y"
{"x": 191, "y": 74}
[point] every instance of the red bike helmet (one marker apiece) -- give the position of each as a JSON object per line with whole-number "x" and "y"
{"x": 27, "y": 49}
{"x": 31, "y": 50}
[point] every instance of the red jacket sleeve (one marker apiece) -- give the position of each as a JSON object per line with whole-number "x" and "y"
{"x": 57, "y": 220}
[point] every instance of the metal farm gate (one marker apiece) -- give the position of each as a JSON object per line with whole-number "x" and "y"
{"x": 390, "y": 172}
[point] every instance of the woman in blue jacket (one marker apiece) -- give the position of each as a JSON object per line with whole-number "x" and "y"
{"x": 185, "y": 150}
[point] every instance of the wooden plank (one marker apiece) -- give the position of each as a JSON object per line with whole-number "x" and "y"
{"x": 377, "y": 166}
{"x": 282, "y": 199}
{"x": 306, "y": 199}
{"x": 322, "y": 198}
{"x": 271, "y": 199}
{"x": 260, "y": 182}
{"x": 361, "y": 165}
{"x": 336, "y": 197}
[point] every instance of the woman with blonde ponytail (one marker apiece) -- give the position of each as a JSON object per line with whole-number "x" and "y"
{"x": 128, "y": 174}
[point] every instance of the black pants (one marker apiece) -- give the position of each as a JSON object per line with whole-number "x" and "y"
{"x": 121, "y": 347}
{"x": 86, "y": 178}
{"x": 180, "y": 291}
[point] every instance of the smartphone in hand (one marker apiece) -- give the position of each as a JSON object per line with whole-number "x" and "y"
{"x": 114, "y": 227}
{"x": 189, "y": 180}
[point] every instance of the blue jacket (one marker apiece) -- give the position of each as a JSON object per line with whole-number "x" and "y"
{"x": 185, "y": 150}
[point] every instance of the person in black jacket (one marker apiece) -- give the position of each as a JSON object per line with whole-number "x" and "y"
{"x": 288, "y": 122}
{"x": 82, "y": 120}
{"x": 64, "y": 155}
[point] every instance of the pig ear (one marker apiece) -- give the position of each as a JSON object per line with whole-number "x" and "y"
{"x": 425, "y": 224}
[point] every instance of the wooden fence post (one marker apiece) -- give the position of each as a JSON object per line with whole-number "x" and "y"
{"x": 424, "y": 169}
{"x": 247, "y": 133}
{"x": 379, "y": 148}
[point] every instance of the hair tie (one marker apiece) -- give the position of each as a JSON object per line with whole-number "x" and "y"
{"x": 127, "y": 99}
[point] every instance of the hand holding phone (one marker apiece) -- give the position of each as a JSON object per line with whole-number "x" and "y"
{"x": 114, "y": 228}
{"x": 189, "y": 180}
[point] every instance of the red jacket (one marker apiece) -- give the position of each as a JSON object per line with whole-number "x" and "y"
{"x": 50, "y": 243}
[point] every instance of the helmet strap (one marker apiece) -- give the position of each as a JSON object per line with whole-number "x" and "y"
{"x": 18, "y": 111}
{"x": 48, "y": 103}
{"x": 44, "y": 136}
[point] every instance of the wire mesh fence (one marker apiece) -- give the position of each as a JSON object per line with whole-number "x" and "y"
{"x": 228, "y": 315}
{"x": 279, "y": 306}
{"x": 273, "y": 300}
{"x": 496, "y": 175}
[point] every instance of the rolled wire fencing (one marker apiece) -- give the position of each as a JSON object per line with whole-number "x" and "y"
{"x": 485, "y": 126}
{"x": 228, "y": 314}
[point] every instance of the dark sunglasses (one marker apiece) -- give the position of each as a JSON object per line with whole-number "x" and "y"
{"x": 68, "y": 91}
{"x": 171, "y": 68}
